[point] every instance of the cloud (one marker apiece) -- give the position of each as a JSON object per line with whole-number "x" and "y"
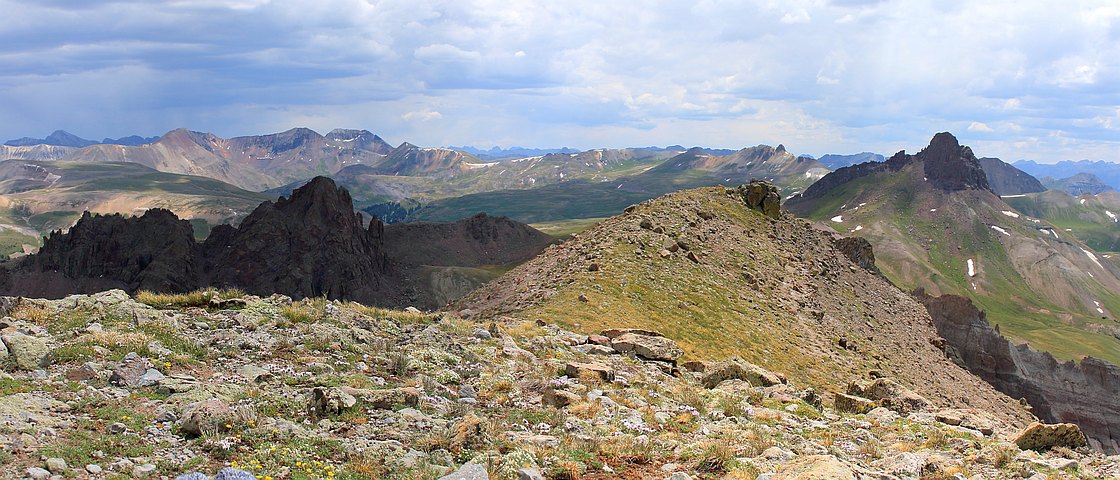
{"x": 979, "y": 127}
{"x": 422, "y": 116}
{"x": 819, "y": 76}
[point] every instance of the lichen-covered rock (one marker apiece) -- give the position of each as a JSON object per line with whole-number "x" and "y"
{"x": 852, "y": 403}
{"x": 580, "y": 370}
{"x": 648, "y": 347}
{"x": 1042, "y": 437}
{"x": 325, "y": 401}
{"x": 889, "y": 393}
{"x": 761, "y": 196}
{"x": 26, "y": 351}
{"x": 738, "y": 369}
{"x": 210, "y": 415}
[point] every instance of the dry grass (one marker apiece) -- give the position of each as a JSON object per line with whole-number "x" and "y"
{"x": 197, "y": 298}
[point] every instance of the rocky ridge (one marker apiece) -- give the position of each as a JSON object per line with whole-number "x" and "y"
{"x": 272, "y": 388}
{"x": 693, "y": 262}
{"x": 310, "y": 244}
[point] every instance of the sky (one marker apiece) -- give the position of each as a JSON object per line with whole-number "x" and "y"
{"x": 1021, "y": 79}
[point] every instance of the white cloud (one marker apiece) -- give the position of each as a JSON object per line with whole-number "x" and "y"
{"x": 422, "y": 116}
{"x": 979, "y": 127}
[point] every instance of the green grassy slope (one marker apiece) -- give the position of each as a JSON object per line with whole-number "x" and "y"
{"x": 923, "y": 238}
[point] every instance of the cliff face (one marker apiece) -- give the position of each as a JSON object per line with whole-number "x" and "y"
{"x": 1075, "y": 392}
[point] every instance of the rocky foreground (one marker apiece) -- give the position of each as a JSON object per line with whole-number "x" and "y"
{"x": 105, "y": 386}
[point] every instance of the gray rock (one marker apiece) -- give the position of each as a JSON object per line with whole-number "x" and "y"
{"x": 193, "y": 476}
{"x": 679, "y": 476}
{"x": 592, "y": 349}
{"x": 56, "y": 465}
{"x": 37, "y": 473}
{"x": 95, "y": 469}
{"x": 117, "y": 428}
{"x": 482, "y": 333}
{"x": 467, "y": 391}
{"x": 230, "y": 473}
{"x": 529, "y": 474}
{"x": 648, "y": 347}
{"x": 144, "y": 471}
{"x": 254, "y": 373}
{"x": 26, "y": 351}
{"x": 470, "y": 471}
{"x": 130, "y": 370}
{"x": 151, "y": 377}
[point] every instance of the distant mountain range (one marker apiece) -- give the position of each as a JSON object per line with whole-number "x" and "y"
{"x": 62, "y": 138}
{"x": 1106, "y": 172}
{"x": 834, "y": 161}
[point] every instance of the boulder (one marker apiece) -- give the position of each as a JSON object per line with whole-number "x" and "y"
{"x": 592, "y": 349}
{"x": 761, "y": 196}
{"x": 579, "y": 370}
{"x": 325, "y": 401}
{"x": 815, "y": 467}
{"x": 554, "y": 397}
{"x": 1042, "y": 437}
{"x": 206, "y": 416}
{"x": 470, "y": 471}
{"x": 230, "y": 473}
{"x": 889, "y": 393}
{"x": 26, "y": 351}
{"x": 738, "y": 369}
{"x": 385, "y": 399}
{"x": 130, "y": 370}
{"x": 851, "y": 403}
{"x": 648, "y": 347}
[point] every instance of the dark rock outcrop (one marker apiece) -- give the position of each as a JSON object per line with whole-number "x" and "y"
{"x": 761, "y": 196}
{"x": 1005, "y": 179}
{"x": 155, "y": 251}
{"x": 950, "y": 166}
{"x": 310, "y": 244}
{"x": 1082, "y": 392}
{"x": 859, "y": 250}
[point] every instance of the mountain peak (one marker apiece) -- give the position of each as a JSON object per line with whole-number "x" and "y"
{"x": 952, "y": 167}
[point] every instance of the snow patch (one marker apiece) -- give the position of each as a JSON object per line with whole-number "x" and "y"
{"x": 838, "y": 218}
{"x": 933, "y": 209}
{"x": 1092, "y": 257}
{"x": 858, "y": 228}
{"x": 1013, "y": 196}
{"x": 1083, "y": 201}
{"x": 1000, "y": 230}
{"x": 1110, "y": 215}
{"x": 472, "y": 166}
{"x": 972, "y": 270}
{"x": 1010, "y": 214}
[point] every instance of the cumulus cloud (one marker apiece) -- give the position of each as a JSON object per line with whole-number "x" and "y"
{"x": 819, "y": 76}
{"x": 979, "y": 127}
